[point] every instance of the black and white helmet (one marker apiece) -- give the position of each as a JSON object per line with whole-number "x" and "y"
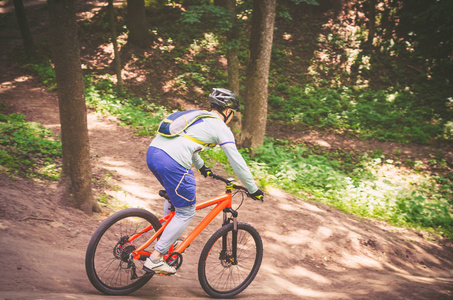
{"x": 223, "y": 98}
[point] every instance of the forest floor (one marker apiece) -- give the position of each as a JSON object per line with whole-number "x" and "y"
{"x": 311, "y": 251}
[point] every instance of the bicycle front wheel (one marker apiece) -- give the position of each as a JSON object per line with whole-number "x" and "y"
{"x": 219, "y": 276}
{"x": 107, "y": 258}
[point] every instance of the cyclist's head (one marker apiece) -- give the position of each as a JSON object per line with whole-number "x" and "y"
{"x": 222, "y": 99}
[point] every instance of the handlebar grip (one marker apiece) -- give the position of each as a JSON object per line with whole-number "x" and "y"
{"x": 226, "y": 181}
{"x": 218, "y": 177}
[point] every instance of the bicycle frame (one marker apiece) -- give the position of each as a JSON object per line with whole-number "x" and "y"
{"x": 222, "y": 202}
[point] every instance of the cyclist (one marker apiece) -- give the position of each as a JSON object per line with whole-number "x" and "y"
{"x": 170, "y": 160}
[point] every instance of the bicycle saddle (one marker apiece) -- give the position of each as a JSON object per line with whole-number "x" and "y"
{"x": 163, "y": 193}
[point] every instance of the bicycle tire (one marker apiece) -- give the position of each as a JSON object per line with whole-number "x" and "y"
{"x": 216, "y": 273}
{"x": 107, "y": 252}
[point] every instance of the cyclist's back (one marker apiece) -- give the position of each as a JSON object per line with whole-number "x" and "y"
{"x": 211, "y": 131}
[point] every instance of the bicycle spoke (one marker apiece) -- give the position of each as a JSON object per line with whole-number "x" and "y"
{"x": 220, "y": 275}
{"x": 108, "y": 254}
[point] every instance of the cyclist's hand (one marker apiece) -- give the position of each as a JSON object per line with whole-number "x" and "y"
{"x": 258, "y": 195}
{"x": 205, "y": 171}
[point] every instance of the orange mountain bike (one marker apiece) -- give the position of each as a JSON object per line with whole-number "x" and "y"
{"x": 228, "y": 263}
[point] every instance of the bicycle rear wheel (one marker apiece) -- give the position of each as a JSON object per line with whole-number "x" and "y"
{"x": 218, "y": 275}
{"x": 106, "y": 260}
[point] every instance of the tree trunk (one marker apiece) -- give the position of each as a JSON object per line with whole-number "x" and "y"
{"x": 233, "y": 66}
{"x": 76, "y": 176}
{"x": 232, "y": 51}
{"x": 257, "y": 75}
{"x": 117, "y": 59}
{"x": 24, "y": 29}
{"x": 371, "y": 22}
{"x": 136, "y": 23}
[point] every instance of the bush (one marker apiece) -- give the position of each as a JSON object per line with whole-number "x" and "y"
{"x": 388, "y": 115}
{"x": 140, "y": 115}
{"x": 27, "y": 149}
{"x": 363, "y": 185}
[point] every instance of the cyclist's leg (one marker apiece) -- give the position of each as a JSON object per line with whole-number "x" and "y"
{"x": 154, "y": 157}
{"x": 181, "y": 187}
{"x": 167, "y": 206}
{"x": 182, "y": 218}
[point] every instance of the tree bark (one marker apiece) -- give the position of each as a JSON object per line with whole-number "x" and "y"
{"x": 117, "y": 59}
{"x": 371, "y": 21}
{"x": 233, "y": 66}
{"x": 75, "y": 182}
{"x": 136, "y": 23}
{"x": 24, "y": 28}
{"x": 232, "y": 51}
{"x": 257, "y": 75}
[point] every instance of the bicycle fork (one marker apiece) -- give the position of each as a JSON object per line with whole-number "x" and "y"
{"x": 234, "y": 239}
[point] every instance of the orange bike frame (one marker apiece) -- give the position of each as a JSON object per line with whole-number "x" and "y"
{"x": 222, "y": 201}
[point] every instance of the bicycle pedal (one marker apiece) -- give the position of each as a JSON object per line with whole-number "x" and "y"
{"x": 148, "y": 271}
{"x": 152, "y": 273}
{"x": 148, "y": 274}
{"x": 168, "y": 275}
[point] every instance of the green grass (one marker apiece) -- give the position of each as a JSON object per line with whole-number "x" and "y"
{"x": 44, "y": 72}
{"x": 363, "y": 185}
{"x": 367, "y": 185}
{"x": 141, "y": 115}
{"x": 389, "y": 115}
{"x": 27, "y": 149}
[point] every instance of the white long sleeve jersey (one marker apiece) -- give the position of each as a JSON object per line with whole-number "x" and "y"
{"x": 212, "y": 131}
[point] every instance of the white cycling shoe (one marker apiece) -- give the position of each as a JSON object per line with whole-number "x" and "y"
{"x": 160, "y": 267}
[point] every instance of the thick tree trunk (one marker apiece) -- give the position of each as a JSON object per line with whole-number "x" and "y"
{"x": 233, "y": 66}
{"x": 371, "y": 22}
{"x": 76, "y": 177}
{"x": 232, "y": 51}
{"x": 117, "y": 59}
{"x": 255, "y": 114}
{"x": 136, "y": 23}
{"x": 24, "y": 29}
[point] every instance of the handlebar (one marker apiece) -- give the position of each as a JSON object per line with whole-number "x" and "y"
{"x": 230, "y": 185}
{"x": 229, "y": 182}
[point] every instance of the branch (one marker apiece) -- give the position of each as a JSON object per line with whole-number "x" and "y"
{"x": 38, "y": 219}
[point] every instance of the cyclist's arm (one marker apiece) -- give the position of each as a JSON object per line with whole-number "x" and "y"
{"x": 239, "y": 166}
{"x": 197, "y": 161}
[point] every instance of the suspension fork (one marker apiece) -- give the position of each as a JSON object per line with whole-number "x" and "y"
{"x": 234, "y": 240}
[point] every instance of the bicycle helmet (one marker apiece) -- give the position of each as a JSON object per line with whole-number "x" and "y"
{"x": 223, "y": 98}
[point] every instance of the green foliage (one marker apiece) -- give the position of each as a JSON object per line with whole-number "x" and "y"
{"x": 309, "y": 2}
{"x": 145, "y": 117}
{"x": 44, "y": 72}
{"x": 424, "y": 208}
{"x": 426, "y": 28}
{"x": 27, "y": 149}
{"x": 361, "y": 184}
{"x": 388, "y": 115}
{"x": 211, "y": 16}
{"x": 388, "y": 89}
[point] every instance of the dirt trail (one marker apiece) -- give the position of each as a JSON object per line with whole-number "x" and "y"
{"x": 311, "y": 251}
